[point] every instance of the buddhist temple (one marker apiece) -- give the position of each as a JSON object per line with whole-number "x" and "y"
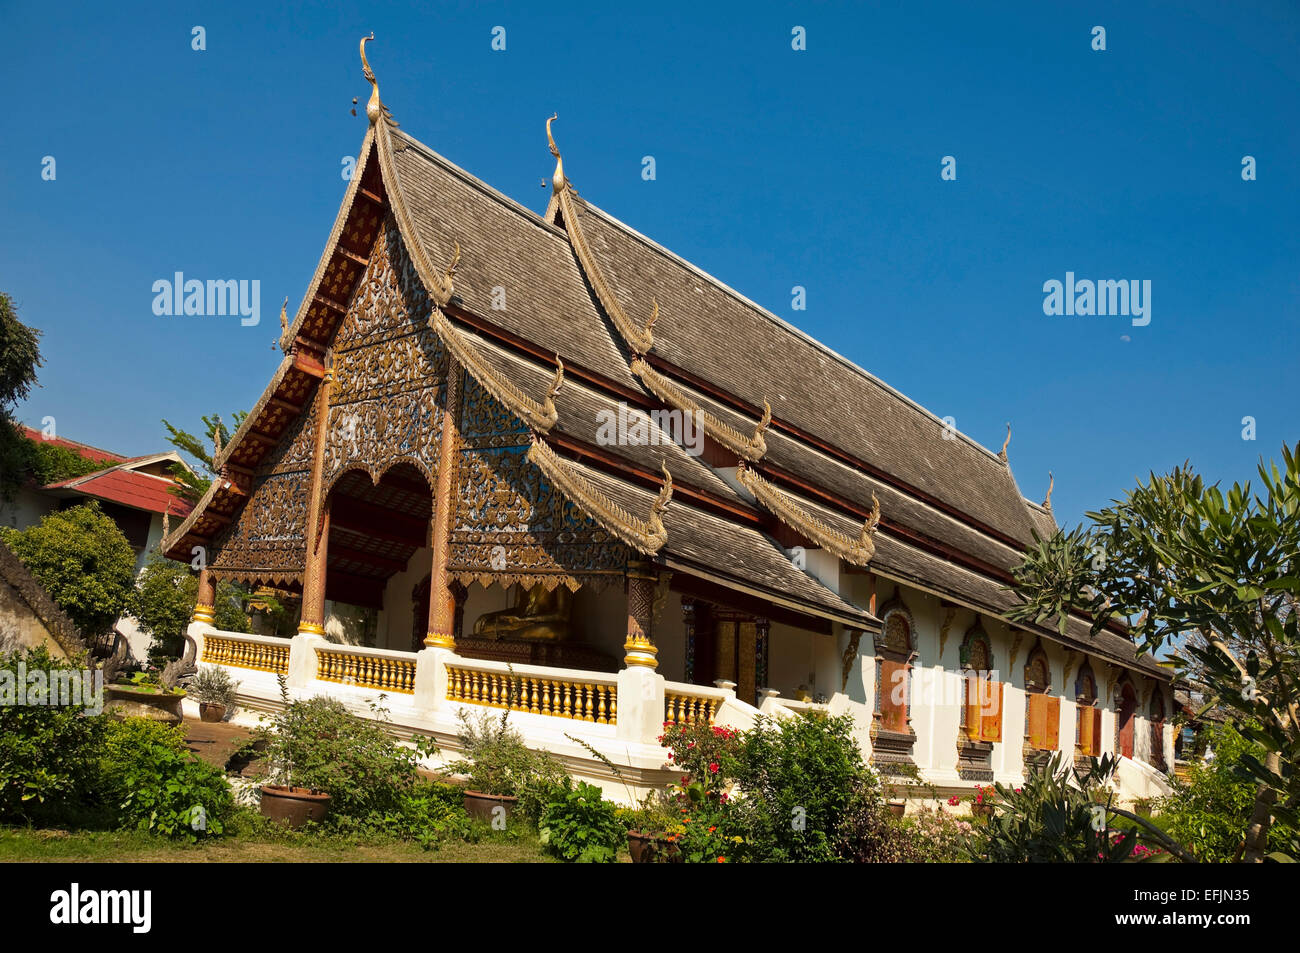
{"x": 433, "y": 454}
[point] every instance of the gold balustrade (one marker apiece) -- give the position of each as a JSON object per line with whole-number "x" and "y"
{"x": 383, "y": 672}
{"x": 558, "y": 697}
{"x": 244, "y": 653}
{"x": 684, "y": 709}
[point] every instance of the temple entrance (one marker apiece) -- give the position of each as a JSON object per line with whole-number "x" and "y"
{"x": 372, "y": 531}
{"x": 1127, "y": 711}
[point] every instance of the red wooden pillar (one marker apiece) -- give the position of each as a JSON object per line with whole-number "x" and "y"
{"x": 640, "y": 648}
{"x": 311, "y": 621}
{"x": 205, "y": 605}
{"x": 442, "y": 598}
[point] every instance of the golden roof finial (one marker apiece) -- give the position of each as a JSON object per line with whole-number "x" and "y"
{"x": 284, "y": 325}
{"x": 654, "y": 316}
{"x": 216, "y": 438}
{"x": 870, "y": 523}
{"x": 763, "y": 424}
{"x": 1002, "y": 454}
{"x": 558, "y": 180}
{"x": 375, "y": 110}
{"x": 450, "y": 271}
{"x": 1051, "y": 484}
{"x": 665, "y": 494}
{"x": 558, "y": 381}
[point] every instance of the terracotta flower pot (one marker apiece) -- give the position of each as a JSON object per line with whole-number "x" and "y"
{"x": 130, "y": 702}
{"x": 293, "y": 806}
{"x": 982, "y": 810}
{"x": 898, "y": 806}
{"x": 647, "y": 848}
{"x": 211, "y": 711}
{"x": 482, "y": 807}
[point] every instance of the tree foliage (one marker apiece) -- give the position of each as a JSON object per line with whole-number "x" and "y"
{"x": 192, "y": 485}
{"x": 20, "y": 356}
{"x": 163, "y": 603}
{"x": 1177, "y": 558}
{"x": 83, "y": 561}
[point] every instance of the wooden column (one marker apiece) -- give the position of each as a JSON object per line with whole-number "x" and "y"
{"x": 442, "y": 599}
{"x": 205, "y": 606}
{"x": 639, "y": 647}
{"x": 311, "y": 621}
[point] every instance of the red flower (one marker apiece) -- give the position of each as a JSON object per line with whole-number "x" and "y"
{"x": 722, "y": 860}
{"x": 713, "y": 767}
{"x": 954, "y": 801}
{"x": 713, "y": 828}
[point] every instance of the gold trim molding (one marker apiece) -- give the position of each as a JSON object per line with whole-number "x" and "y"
{"x": 859, "y": 552}
{"x": 647, "y": 536}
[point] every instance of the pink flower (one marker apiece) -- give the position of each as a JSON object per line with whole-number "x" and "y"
{"x": 954, "y": 801}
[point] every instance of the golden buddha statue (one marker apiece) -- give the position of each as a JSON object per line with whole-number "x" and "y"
{"x": 537, "y": 615}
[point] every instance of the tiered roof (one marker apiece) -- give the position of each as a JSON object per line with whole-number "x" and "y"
{"x": 803, "y": 445}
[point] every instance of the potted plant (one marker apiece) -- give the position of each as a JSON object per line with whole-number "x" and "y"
{"x": 214, "y": 690}
{"x": 648, "y": 826}
{"x": 503, "y": 776}
{"x": 143, "y": 695}
{"x": 982, "y": 802}
{"x": 287, "y": 740}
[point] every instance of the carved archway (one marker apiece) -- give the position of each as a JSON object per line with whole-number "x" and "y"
{"x": 981, "y": 721}
{"x": 895, "y": 647}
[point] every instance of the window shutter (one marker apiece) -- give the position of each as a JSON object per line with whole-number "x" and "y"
{"x": 1083, "y": 719}
{"x": 991, "y": 720}
{"x": 893, "y": 695}
{"x": 1036, "y": 722}
{"x": 1096, "y": 732}
{"x": 973, "y": 685}
{"x": 1053, "y": 718}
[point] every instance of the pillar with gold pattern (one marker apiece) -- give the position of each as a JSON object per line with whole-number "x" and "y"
{"x": 205, "y": 610}
{"x": 639, "y": 647}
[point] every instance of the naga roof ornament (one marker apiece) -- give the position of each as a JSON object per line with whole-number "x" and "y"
{"x": 1051, "y": 485}
{"x": 539, "y": 415}
{"x": 750, "y": 447}
{"x": 646, "y": 535}
{"x": 789, "y": 511}
{"x": 1002, "y": 454}
{"x": 639, "y": 339}
{"x": 375, "y": 109}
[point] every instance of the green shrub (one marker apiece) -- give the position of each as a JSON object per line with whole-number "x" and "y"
{"x": 214, "y": 685}
{"x": 867, "y": 833}
{"x": 155, "y": 784}
{"x": 798, "y": 776}
{"x": 163, "y": 603}
{"x": 1209, "y": 811}
{"x": 1061, "y": 816}
{"x": 498, "y": 762}
{"x": 581, "y": 826}
{"x": 318, "y": 744}
{"x": 83, "y": 561}
{"x": 49, "y": 755}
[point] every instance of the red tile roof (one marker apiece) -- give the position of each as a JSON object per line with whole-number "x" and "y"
{"x": 83, "y": 449}
{"x": 130, "y": 488}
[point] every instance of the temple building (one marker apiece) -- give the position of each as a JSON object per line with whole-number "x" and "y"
{"x": 564, "y": 472}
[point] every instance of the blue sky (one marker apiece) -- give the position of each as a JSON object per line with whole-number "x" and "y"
{"x": 775, "y": 168}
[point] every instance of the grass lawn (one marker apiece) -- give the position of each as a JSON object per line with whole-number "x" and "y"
{"x": 20, "y": 844}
